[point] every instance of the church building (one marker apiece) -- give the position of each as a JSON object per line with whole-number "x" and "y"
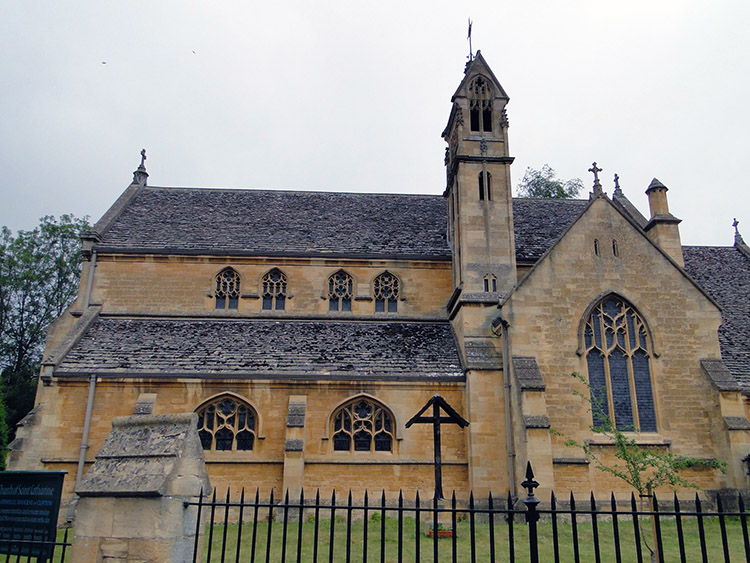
{"x": 306, "y": 328}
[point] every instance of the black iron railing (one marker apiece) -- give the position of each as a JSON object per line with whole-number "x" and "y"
{"x": 20, "y": 549}
{"x": 377, "y": 529}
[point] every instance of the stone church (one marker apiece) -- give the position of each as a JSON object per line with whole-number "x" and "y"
{"x": 306, "y": 328}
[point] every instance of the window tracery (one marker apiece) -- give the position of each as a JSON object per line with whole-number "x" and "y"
{"x": 226, "y": 424}
{"x": 274, "y": 290}
{"x": 362, "y": 425}
{"x": 618, "y": 359}
{"x": 480, "y": 104}
{"x": 227, "y": 289}
{"x": 340, "y": 291}
{"x": 386, "y": 290}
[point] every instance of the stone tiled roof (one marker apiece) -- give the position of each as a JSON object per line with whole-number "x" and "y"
{"x": 268, "y": 223}
{"x": 351, "y": 350}
{"x": 273, "y": 223}
{"x": 539, "y": 222}
{"x": 724, "y": 272}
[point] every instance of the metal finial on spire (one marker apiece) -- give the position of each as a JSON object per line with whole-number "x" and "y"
{"x": 471, "y": 53}
{"x": 140, "y": 175}
{"x": 597, "y": 186}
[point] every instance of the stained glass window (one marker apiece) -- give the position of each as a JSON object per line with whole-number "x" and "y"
{"x": 617, "y": 357}
{"x": 340, "y": 290}
{"x": 363, "y": 425}
{"x": 226, "y": 424}
{"x": 227, "y": 289}
{"x": 274, "y": 290}
{"x": 386, "y": 290}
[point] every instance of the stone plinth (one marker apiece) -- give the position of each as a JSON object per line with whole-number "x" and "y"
{"x": 131, "y": 504}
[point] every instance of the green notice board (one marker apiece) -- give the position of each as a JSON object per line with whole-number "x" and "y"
{"x": 29, "y": 504}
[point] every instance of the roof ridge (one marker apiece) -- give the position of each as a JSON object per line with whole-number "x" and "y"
{"x": 287, "y": 191}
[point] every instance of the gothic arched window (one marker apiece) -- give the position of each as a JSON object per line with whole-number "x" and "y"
{"x": 617, "y": 356}
{"x": 340, "y": 291}
{"x": 480, "y": 104}
{"x": 274, "y": 290}
{"x": 362, "y": 425}
{"x": 386, "y": 288}
{"x": 227, "y": 289}
{"x": 485, "y": 187}
{"x": 226, "y": 423}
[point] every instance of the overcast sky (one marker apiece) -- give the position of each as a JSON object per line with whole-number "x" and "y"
{"x": 353, "y": 96}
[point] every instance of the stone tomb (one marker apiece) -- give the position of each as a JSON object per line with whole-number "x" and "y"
{"x": 131, "y": 504}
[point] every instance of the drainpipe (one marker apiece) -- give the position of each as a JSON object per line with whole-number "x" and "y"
{"x": 90, "y": 282}
{"x": 508, "y": 421}
{"x": 86, "y": 425}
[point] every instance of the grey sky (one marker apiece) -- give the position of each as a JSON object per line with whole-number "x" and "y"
{"x": 352, "y": 96}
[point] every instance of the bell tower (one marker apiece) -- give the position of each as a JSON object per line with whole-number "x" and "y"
{"x": 478, "y": 190}
{"x": 480, "y": 227}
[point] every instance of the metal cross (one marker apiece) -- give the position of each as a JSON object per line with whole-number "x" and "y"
{"x": 596, "y": 171}
{"x": 437, "y": 402}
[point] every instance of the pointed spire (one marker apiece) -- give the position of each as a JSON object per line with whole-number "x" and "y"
{"x": 140, "y": 176}
{"x": 597, "y": 190}
{"x": 618, "y": 191}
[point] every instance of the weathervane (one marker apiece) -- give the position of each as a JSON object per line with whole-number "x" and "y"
{"x": 471, "y": 53}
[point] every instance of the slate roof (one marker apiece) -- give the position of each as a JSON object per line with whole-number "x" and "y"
{"x": 350, "y": 350}
{"x": 269, "y": 223}
{"x": 538, "y": 223}
{"x": 724, "y": 272}
{"x": 277, "y": 223}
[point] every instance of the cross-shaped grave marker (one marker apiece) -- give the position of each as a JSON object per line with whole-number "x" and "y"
{"x": 437, "y": 403}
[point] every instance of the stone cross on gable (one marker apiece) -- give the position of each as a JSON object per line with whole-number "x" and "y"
{"x": 437, "y": 403}
{"x": 617, "y": 182}
{"x": 735, "y": 224}
{"x": 596, "y": 171}
{"x": 143, "y": 158}
{"x": 597, "y": 186}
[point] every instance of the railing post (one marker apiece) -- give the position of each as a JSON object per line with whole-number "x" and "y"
{"x": 532, "y": 516}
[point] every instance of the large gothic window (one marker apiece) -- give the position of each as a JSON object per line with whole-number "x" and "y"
{"x": 480, "y": 104}
{"x": 617, "y": 355}
{"x": 227, "y": 292}
{"x": 274, "y": 290}
{"x": 226, "y": 423}
{"x": 386, "y": 290}
{"x": 340, "y": 291}
{"x": 362, "y": 425}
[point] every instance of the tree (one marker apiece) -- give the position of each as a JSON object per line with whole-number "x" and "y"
{"x": 643, "y": 468}
{"x": 39, "y": 272}
{"x": 544, "y": 184}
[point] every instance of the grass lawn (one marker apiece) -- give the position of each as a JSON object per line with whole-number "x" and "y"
{"x": 463, "y": 541}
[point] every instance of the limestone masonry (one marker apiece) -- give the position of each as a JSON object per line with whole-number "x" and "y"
{"x": 304, "y": 329}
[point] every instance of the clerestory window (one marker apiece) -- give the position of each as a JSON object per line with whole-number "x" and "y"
{"x": 274, "y": 290}
{"x": 227, "y": 292}
{"x": 340, "y": 291}
{"x": 618, "y": 355}
{"x": 480, "y": 105}
{"x": 386, "y": 288}
{"x": 226, "y": 424}
{"x": 362, "y": 425}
